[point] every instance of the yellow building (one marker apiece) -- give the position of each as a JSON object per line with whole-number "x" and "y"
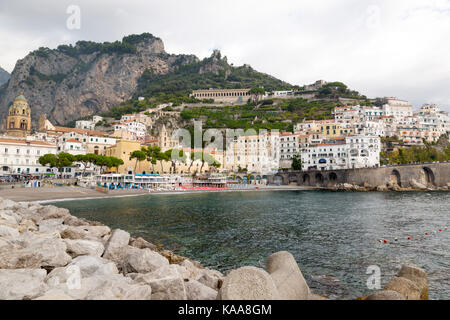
{"x": 331, "y": 130}
{"x": 124, "y": 148}
{"x": 19, "y": 118}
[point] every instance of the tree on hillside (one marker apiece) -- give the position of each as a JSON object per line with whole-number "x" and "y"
{"x": 257, "y": 93}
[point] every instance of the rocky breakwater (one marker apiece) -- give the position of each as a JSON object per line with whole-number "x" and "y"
{"x": 48, "y": 254}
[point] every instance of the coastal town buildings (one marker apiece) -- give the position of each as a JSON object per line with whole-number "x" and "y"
{"x": 351, "y": 152}
{"x": 258, "y": 153}
{"x": 88, "y": 124}
{"x": 21, "y": 157}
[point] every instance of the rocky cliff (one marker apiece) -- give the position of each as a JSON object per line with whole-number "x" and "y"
{"x": 74, "y": 81}
{"x": 71, "y": 82}
{"x": 4, "y": 76}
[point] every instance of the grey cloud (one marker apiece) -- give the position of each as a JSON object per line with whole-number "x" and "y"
{"x": 378, "y": 47}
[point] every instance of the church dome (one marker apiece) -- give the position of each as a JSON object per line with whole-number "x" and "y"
{"x": 20, "y": 106}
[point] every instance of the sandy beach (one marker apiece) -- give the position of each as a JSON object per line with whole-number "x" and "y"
{"x": 44, "y": 194}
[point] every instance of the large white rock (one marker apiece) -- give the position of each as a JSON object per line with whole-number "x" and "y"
{"x": 94, "y": 266}
{"x": 51, "y": 225}
{"x": 116, "y": 287}
{"x": 248, "y": 283}
{"x": 54, "y": 295}
{"x": 287, "y": 276}
{"x": 211, "y": 278}
{"x": 116, "y": 246}
{"x": 166, "y": 282}
{"x": 79, "y": 247}
{"x": 194, "y": 272}
{"x": 143, "y": 261}
{"x": 7, "y": 204}
{"x": 85, "y": 232}
{"x": 35, "y": 250}
{"x": 21, "y": 283}
{"x": 7, "y": 231}
{"x": 52, "y": 212}
{"x": 10, "y": 217}
{"x": 198, "y": 291}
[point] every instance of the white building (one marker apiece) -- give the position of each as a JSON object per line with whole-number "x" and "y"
{"x": 72, "y": 146}
{"x": 397, "y": 108}
{"x": 22, "y": 156}
{"x": 343, "y": 153}
{"x": 256, "y": 153}
{"x": 289, "y": 148}
{"x": 135, "y": 128}
{"x": 88, "y": 124}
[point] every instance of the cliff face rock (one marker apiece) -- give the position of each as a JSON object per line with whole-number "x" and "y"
{"x": 71, "y": 82}
{"x": 4, "y": 76}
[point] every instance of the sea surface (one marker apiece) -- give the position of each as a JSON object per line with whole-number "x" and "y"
{"x": 334, "y": 236}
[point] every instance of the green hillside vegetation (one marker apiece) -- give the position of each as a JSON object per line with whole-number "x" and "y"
{"x": 431, "y": 152}
{"x": 335, "y": 90}
{"x": 188, "y": 77}
{"x": 267, "y": 114}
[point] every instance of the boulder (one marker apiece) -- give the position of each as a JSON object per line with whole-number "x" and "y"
{"x": 212, "y": 279}
{"x": 50, "y": 225}
{"x": 287, "y": 276}
{"x": 75, "y": 222}
{"x": 172, "y": 257}
{"x": 193, "y": 272}
{"x": 22, "y": 283}
{"x": 143, "y": 261}
{"x": 79, "y": 247}
{"x": 166, "y": 283}
{"x": 248, "y": 283}
{"x": 8, "y": 216}
{"x": 27, "y": 225}
{"x": 54, "y": 295}
{"x": 94, "y": 266}
{"x": 418, "y": 276}
{"x": 34, "y": 250}
{"x": 7, "y": 204}
{"x": 405, "y": 287}
{"x": 85, "y": 232}
{"x": 7, "y": 231}
{"x": 52, "y": 212}
{"x": 386, "y": 295}
{"x": 115, "y": 287}
{"x": 140, "y": 243}
{"x": 116, "y": 246}
{"x": 198, "y": 291}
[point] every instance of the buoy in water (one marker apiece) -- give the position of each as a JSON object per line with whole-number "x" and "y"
{"x": 385, "y": 241}
{"x": 426, "y": 234}
{"x": 396, "y": 239}
{"x": 409, "y": 238}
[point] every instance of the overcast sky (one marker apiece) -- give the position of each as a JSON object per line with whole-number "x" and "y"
{"x": 380, "y": 47}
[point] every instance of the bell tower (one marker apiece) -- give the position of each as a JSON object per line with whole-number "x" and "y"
{"x": 19, "y": 118}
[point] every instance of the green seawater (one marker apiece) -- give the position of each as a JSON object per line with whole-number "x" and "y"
{"x": 334, "y": 236}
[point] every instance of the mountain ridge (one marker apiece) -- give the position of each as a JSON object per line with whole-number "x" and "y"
{"x": 78, "y": 80}
{"x": 4, "y": 76}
